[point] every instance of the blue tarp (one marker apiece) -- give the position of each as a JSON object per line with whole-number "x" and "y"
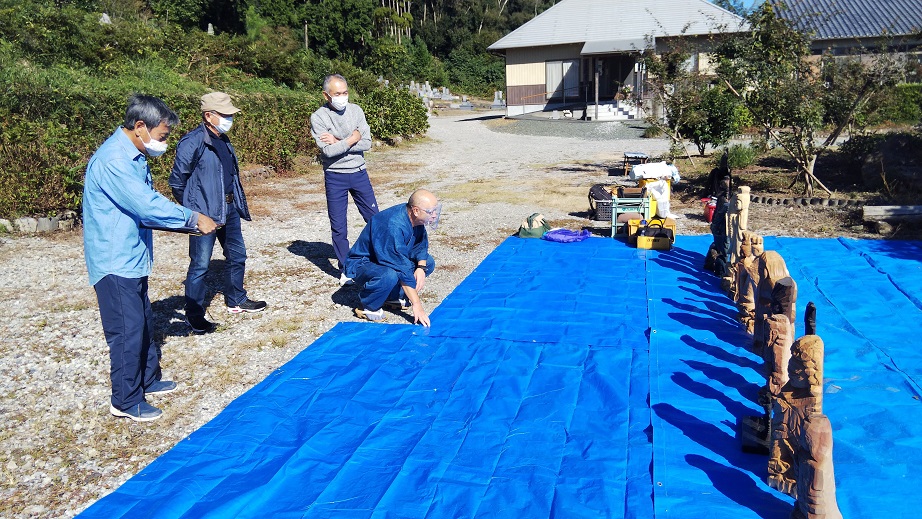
{"x": 559, "y": 380}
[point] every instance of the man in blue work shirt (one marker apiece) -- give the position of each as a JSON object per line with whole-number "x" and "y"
{"x": 341, "y": 132}
{"x": 120, "y": 207}
{"x": 390, "y": 260}
{"x": 206, "y": 178}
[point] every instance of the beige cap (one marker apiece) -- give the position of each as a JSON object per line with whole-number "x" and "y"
{"x": 218, "y": 102}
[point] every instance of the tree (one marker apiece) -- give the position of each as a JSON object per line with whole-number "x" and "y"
{"x": 717, "y": 118}
{"x": 677, "y": 88}
{"x": 790, "y": 95}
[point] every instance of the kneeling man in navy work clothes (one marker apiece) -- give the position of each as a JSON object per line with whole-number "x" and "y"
{"x": 390, "y": 260}
{"x": 120, "y": 207}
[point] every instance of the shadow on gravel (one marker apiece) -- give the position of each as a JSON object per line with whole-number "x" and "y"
{"x": 317, "y": 253}
{"x": 169, "y": 318}
{"x": 349, "y": 296}
{"x": 481, "y": 118}
{"x": 170, "y": 315}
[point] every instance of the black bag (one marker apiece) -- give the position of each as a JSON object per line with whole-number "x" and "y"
{"x": 656, "y": 230}
{"x": 600, "y": 202}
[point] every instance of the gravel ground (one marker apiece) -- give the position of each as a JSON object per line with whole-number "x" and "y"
{"x": 61, "y": 450}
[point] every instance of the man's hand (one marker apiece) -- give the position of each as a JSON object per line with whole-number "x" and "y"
{"x": 354, "y": 137}
{"x": 420, "y": 316}
{"x": 205, "y": 224}
{"x": 328, "y": 138}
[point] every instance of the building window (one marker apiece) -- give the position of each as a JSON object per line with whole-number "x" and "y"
{"x": 562, "y": 79}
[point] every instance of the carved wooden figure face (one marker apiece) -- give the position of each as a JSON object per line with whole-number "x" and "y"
{"x": 805, "y": 369}
{"x": 745, "y": 246}
{"x": 757, "y": 244}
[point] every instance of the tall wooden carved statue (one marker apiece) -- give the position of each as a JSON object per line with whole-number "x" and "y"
{"x": 771, "y": 268}
{"x": 755, "y": 431}
{"x": 779, "y": 335}
{"x": 816, "y": 484}
{"x": 720, "y": 186}
{"x": 747, "y": 279}
{"x": 800, "y": 397}
{"x": 738, "y": 221}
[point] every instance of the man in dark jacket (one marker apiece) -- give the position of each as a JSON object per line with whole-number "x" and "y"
{"x": 206, "y": 178}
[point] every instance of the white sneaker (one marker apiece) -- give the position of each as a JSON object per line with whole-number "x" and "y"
{"x": 376, "y": 315}
{"x": 343, "y": 280}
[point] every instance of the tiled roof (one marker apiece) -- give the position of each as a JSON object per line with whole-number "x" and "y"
{"x": 580, "y": 21}
{"x": 842, "y": 19}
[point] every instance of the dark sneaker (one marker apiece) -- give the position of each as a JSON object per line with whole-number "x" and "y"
{"x": 142, "y": 412}
{"x": 376, "y": 315}
{"x": 247, "y": 306}
{"x": 160, "y": 387}
{"x": 398, "y": 304}
{"x": 200, "y": 325}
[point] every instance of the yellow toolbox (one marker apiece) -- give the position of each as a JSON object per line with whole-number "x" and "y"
{"x": 654, "y": 242}
{"x": 633, "y": 227}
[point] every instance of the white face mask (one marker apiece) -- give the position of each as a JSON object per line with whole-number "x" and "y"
{"x": 224, "y": 123}
{"x": 154, "y": 148}
{"x": 339, "y": 102}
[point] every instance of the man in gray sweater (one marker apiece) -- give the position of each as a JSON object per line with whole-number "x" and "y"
{"x": 343, "y": 135}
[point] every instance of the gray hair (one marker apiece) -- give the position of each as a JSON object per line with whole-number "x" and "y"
{"x": 331, "y": 77}
{"x": 150, "y": 110}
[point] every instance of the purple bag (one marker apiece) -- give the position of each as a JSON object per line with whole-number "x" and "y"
{"x": 566, "y": 235}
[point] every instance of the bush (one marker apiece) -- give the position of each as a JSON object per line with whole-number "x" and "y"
{"x": 52, "y": 121}
{"x": 902, "y": 104}
{"x": 740, "y": 156}
{"x": 66, "y": 79}
{"x": 393, "y": 112}
{"x": 859, "y": 147}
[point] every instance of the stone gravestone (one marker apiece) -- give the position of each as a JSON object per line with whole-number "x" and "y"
{"x": 210, "y": 30}
{"x": 498, "y": 102}
{"x": 465, "y": 104}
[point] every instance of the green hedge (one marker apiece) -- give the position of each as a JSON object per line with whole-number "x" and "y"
{"x": 66, "y": 78}
{"x": 902, "y": 104}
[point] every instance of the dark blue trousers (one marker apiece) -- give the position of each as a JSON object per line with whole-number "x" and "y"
{"x": 230, "y": 236}
{"x": 127, "y": 320}
{"x": 380, "y": 283}
{"x": 338, "y": 188}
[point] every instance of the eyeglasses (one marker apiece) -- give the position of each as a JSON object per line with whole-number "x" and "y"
{"x": 430, "y": 212}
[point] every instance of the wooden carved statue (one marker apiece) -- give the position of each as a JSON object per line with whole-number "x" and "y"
{"x": 738, "y": 221}
{"x": 779, "y": 335}
{"x": 720, "y": 185}
{"x": 771, "y": 268}
{"x": 733, "y": 287}
{"x": 746, "y": 272}
{"x": 816, "y": 484}
{"x": 810, "y": 319}
{"x": 800, "y": 397}
{"x": 755, "y": 431}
